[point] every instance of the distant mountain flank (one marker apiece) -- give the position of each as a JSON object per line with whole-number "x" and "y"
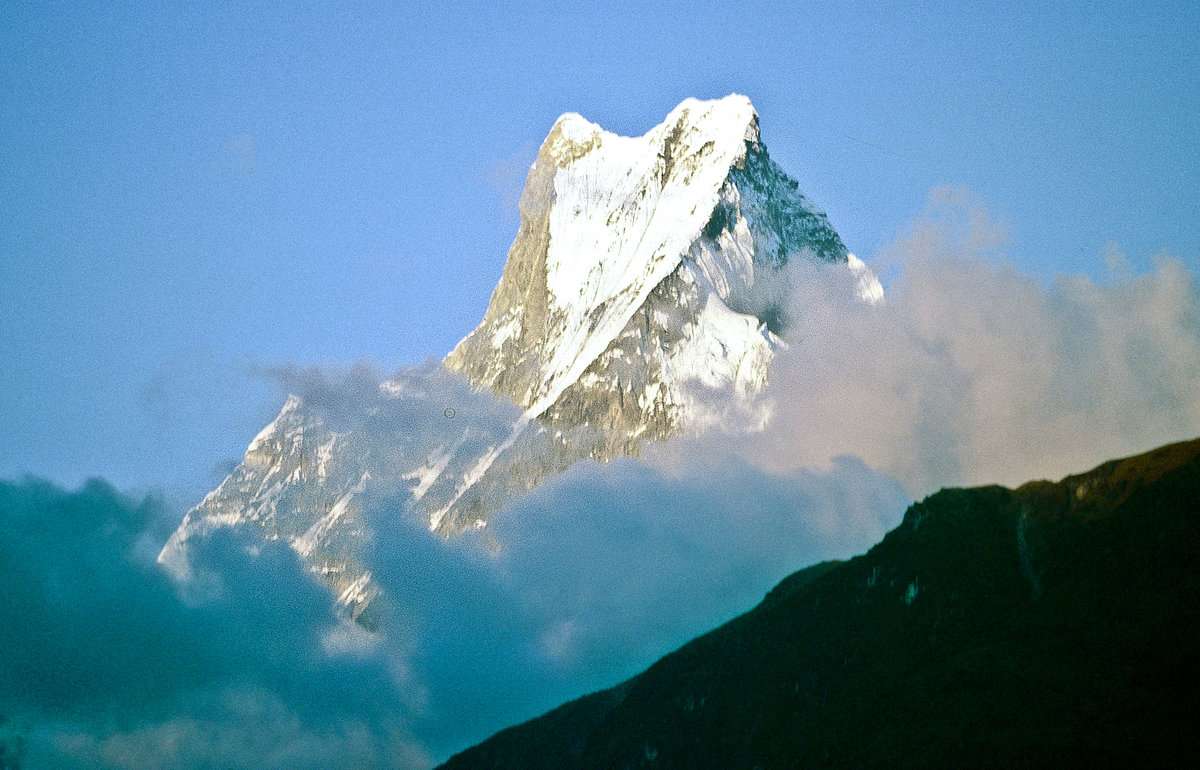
{"x": 640, "y": 300}
{"x": 1052, "y": 625}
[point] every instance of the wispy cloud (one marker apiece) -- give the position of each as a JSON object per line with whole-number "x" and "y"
{"x": 972, "y": 373}
{"x": 506, "y": 176}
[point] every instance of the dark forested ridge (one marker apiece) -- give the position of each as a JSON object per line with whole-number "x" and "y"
{"x": 1051, "y": 625}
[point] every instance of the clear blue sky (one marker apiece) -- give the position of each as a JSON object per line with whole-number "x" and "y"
{"x": 189, "y": 191}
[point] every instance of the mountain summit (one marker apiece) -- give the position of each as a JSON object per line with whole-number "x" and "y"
{"x": 640, "y": 300}
{"x": 613, "y": 229}
{"x": 637, "y": 301}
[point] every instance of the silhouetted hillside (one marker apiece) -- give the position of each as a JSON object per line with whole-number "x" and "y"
{"x": 1051, "y": 625}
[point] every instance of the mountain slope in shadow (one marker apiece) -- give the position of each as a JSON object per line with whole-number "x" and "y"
{"x": 1054, "y": 624}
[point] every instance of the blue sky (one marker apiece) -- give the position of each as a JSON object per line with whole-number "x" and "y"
{"x": 193, "y": 193}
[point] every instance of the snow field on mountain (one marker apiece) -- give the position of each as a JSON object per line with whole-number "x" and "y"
{"x": 622, "y": 219}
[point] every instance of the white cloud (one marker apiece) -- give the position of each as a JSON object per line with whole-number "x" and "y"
{"x": 972, "y": 373}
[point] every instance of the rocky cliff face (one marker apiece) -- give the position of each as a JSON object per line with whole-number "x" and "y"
{"x": 638, "y": 301}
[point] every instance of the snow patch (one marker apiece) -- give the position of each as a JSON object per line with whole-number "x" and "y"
{"x": 307, "y": 543}
{"x": 428, "y": 473}
{"x": 867, "y": 287}
{"x": 472, "y": 477}
{"x": 358, "y": 591}
{"x": 324, "y": 455}
{"x": 506, "y": 331}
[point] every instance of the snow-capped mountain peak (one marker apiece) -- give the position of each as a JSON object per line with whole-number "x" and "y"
{"x": 638, "y": 301}
{"x": 605, "y": 219}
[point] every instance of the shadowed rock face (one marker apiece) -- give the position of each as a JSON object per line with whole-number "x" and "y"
{"x": 1045, "y": 626}
{"x": 520, "y": 298}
